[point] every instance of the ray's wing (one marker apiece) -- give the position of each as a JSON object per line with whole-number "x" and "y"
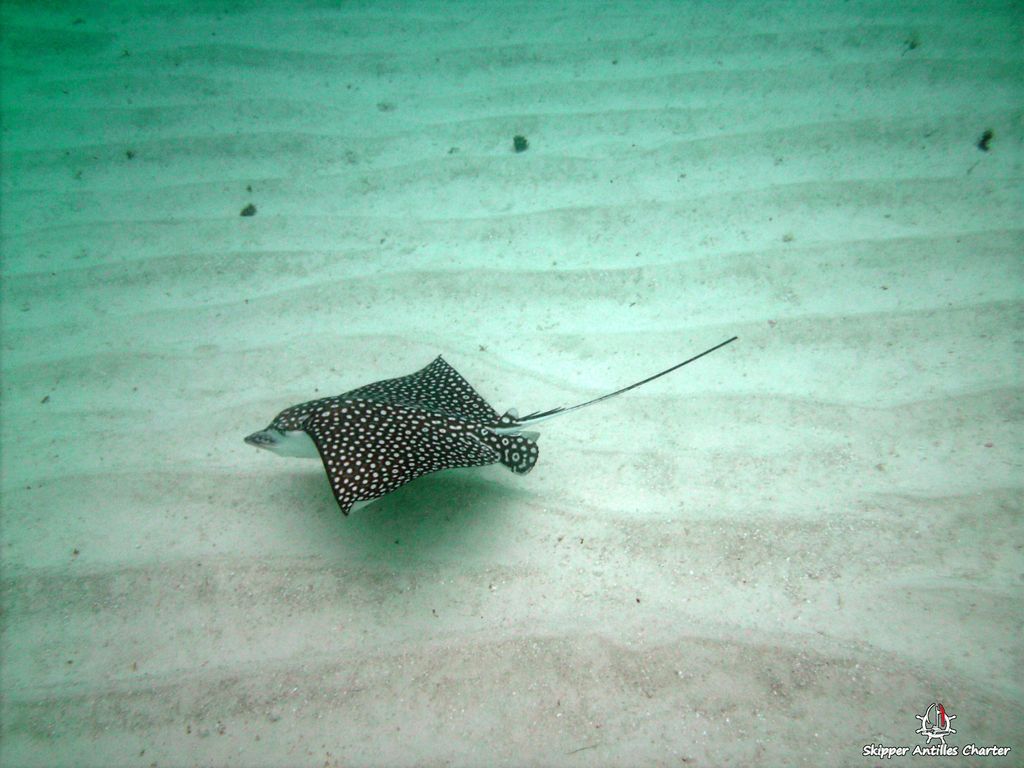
{"x": 438, "y": 387}
{"x": 371, "y": 448}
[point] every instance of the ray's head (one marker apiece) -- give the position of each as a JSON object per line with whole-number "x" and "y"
{"x": 294, "y": 442}
{"x": 285, "y": 435}
{"x": 265, "y": 438}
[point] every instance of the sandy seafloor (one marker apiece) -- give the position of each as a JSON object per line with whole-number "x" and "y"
{"x": 776, "y": 556}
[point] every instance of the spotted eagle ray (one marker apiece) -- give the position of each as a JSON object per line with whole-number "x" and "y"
{"x": 383, "y": 435}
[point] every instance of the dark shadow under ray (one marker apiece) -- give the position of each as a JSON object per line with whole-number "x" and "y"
{"x": 434, "y": 518}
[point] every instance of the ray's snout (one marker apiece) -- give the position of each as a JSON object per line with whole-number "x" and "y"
{"x": 265, "y": 438}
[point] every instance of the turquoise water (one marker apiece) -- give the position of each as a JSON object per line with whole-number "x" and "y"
{"x": 778, "y": 555}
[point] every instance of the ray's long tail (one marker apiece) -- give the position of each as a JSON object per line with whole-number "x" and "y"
{"x": 512, "y": 423}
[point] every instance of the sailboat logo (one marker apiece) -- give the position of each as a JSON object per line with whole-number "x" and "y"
{"x": 935, "y": 723}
